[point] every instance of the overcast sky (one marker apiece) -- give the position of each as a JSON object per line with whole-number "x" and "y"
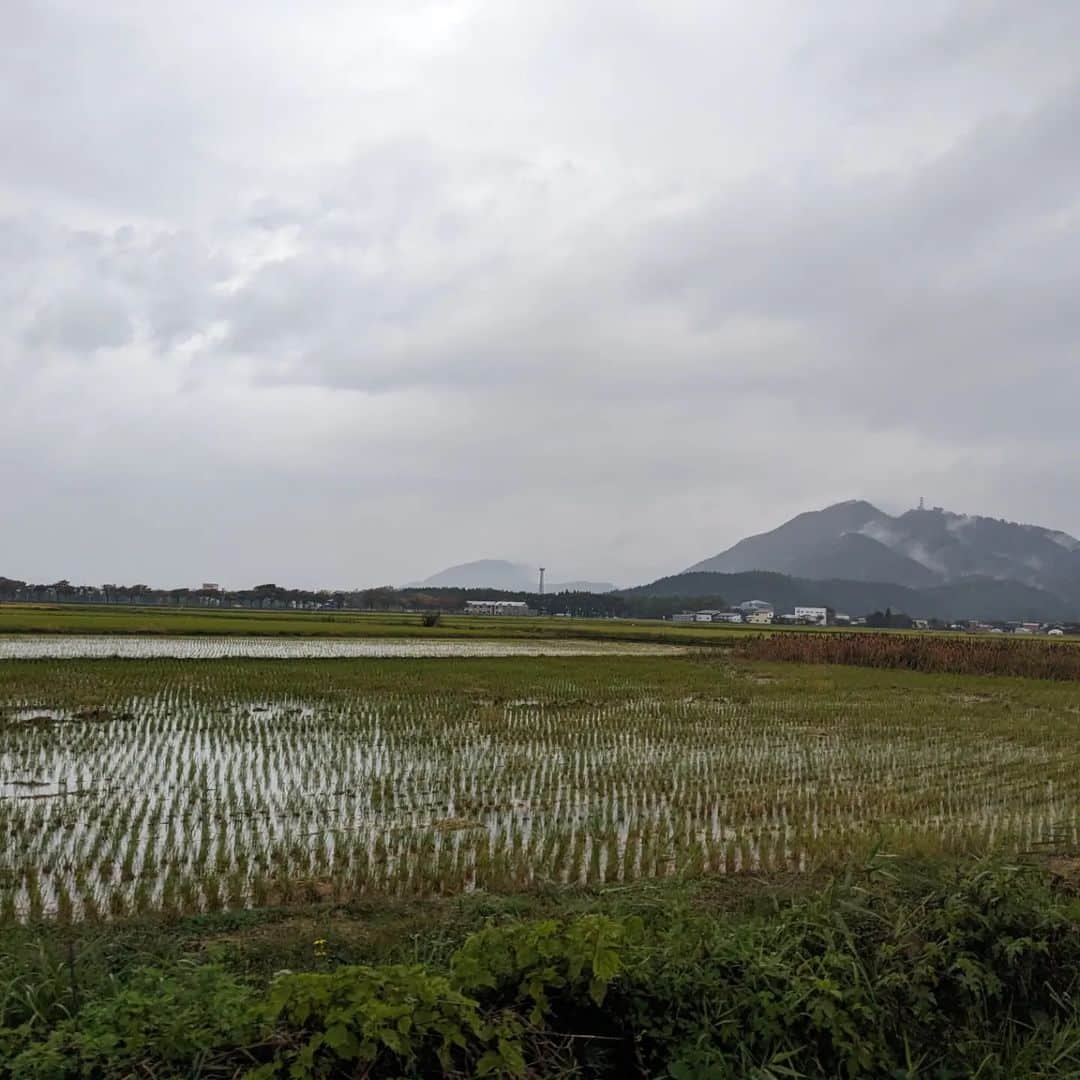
{"x": 341, "y": 293}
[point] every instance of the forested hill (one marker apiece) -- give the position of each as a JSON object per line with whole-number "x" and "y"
{"x": 975, "y": 598}
{"x": 922, "y": 548}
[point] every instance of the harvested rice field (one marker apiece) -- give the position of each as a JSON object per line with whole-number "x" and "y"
{"x": 181, "y": 785}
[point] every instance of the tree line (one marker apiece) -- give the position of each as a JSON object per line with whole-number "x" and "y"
{"x": 384, "y": 598}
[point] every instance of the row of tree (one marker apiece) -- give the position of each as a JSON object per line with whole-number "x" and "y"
{"x": 384, "y": 598}
{"x": 895, "y": 620}
{"x": 633, "y": 603}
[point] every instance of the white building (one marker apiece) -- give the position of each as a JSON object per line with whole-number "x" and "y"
{"x": 497, "y": 607}
{"x": 749, "y": 606}
{"x": 759, "y": 617}
{"x": 708, "y": 616}
{"x": 818, "y": 616}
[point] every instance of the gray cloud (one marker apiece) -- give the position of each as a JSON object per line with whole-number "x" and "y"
{"x": 81, "y": 322}
{"x": 342, "y": 298}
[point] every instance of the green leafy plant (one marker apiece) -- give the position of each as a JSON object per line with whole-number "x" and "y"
{"x": 391, "y": 1021}
{"x": 524, "y": 964}
{"x": 164, "y": 1019}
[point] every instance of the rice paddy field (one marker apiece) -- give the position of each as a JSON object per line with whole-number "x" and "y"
{"x": 143, "y": 647}
{"x": 122, "y": 620}
{"x": 176, "y": 785}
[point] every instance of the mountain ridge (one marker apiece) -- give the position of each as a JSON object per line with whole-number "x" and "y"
{"x": 975, "y": 598}
{"x": 920, "y": 548}
{"x": 505, "y": 575}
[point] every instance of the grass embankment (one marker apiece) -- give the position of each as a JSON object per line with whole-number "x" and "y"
{"x": 921, "y": 652}
{"x": 106, "y": 619}
{"x": 905, "y": 970}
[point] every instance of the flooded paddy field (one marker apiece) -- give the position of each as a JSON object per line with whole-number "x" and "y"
{"x": 145, "y": 647}
{"x": 183, "y": 785}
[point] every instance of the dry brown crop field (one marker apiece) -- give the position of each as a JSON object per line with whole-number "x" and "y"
{"x": 922, "y": 652}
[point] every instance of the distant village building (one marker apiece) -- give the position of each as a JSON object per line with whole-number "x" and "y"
{"x": 814, "y": 616}
{"x": 497, "y": 607}
{"x": 759, "y": 617}
{"x": 708, "y": 616}
{"x": 748, "y": 607}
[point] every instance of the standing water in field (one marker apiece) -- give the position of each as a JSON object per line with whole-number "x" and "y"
{"x": 181, "y": 787}
{"x": 76, "y": 647}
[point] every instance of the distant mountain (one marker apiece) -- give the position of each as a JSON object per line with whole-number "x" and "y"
{"x": 483, "y": 574}
{"x": 858, "y": 557}
{"x": 504, "y": 575}
{"x": 973, "y": 598}
{"x": 855, "y": 541}
{"x": 804, "y": 537}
